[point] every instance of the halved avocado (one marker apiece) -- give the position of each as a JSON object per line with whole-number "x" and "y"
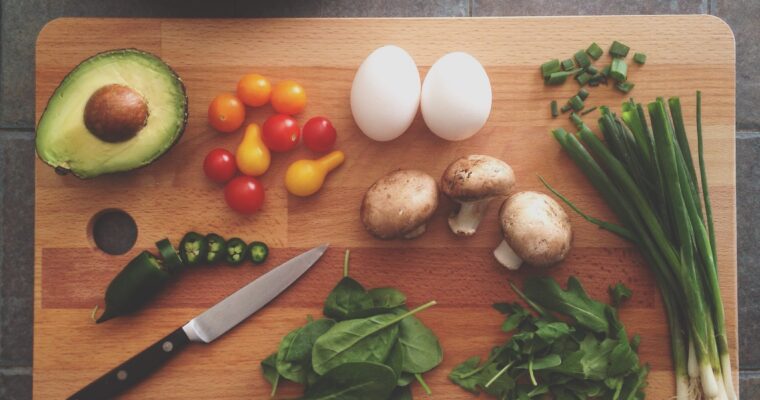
{"x": 116, "y": 111}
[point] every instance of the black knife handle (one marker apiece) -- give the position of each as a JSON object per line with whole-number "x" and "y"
{"x": 135, "y": 369}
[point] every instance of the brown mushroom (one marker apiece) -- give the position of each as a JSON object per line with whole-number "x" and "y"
{"x": 472, "y": 182}
{"x": 536, "y": 230}
{"x": 399, "y": 204}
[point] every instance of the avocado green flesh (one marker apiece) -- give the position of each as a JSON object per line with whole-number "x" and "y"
{"x": 64, "y": 141}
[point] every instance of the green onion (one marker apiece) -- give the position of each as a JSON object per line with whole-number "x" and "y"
{"x": 645, "y": 174}
{"x": 624, "y": 87}
{"x": 594, "y": 51}
{"x": 588, "y": 110}
{"x": 592, "y": 70}
{"x": 555, "y": 110}
{"x": 576, "y": 119}
{"x": 568, "y": 64}
{"x": 640, "y": 58}
{"x": 549, "y": 67}
{"x": 619, "y": 50}
{"x": 619, "y": 70}
{"x": 583, "y": 94}
{"x": 606, "y": 71}
{"x": 581, "y": 58}
{"x": 583, "y": 78}
{"x": 576, "y": 103}
{"x": 558, "y": 78}
{"x": 565, "y": 108}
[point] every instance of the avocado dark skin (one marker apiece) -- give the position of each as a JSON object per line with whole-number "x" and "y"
{"x": 115, "y": 113}
{"x": 121, "y": 125}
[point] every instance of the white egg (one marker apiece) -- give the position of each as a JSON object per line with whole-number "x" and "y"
{"x": 385, "y": 94}
{"x": 456, "y": 96}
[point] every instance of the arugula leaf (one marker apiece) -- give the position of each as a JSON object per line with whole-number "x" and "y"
{"x": 574, "y": 302}
{"x": 293, "y": 360}
{"x": 354, "y": 381}
{"x": 619, "y": 294}
{"x": 517, "y": 315}
{"x": 467, "y": 375}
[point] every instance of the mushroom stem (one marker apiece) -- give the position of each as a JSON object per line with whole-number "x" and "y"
{"x": 507, "y": 257}
{"x": 465, "y": 221}
{"x": 416, "y": 232}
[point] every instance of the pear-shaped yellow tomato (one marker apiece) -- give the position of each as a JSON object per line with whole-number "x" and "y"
{"x": 252, "y": 155}
{"x": 305, "y": 177}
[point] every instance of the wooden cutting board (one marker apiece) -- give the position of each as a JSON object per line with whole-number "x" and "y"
{"x": 172, "y": 196}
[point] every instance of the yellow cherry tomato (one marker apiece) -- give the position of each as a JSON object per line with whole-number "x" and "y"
{"x": 288, "y": 97}
{"x": 254, "y": 90}
{"x": 252, "y": 156}
{"x": 305, "y": 177}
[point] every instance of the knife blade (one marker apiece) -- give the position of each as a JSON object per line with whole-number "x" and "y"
{"x": 204, "y": 328}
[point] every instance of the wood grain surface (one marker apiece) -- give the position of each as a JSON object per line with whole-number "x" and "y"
{"x": 172, "y": 196}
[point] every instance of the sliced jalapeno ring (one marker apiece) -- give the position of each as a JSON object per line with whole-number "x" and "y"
{"x": 257, "y": 252}
{"x": 193, "y": 248}
{"x": 217, "y": 248}
{"x": 171, "y": 259}
{"x": 235, "y": 251}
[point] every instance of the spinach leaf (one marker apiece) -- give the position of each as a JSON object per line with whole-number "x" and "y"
{"x": 419, "y": 346}
{"x": 386, "y": 299}
{"x": 367, "y": 339}
{"x": 574, "y": 302}
{"x": 294, "y": 353}
{"x": 269, "y": 369}
{"x": 401, "y": 393}
{"x": 354, "y": 381}
{"x": 405, "y": 379}
{"x": 347, "y": 300}
{"x": 395, "y": 360}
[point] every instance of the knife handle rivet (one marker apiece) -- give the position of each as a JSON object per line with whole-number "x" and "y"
{"x": 121, "y": 375}
{"x": 167, "y": 346}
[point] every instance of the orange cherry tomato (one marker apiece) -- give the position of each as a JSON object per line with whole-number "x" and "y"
{"x": 226, "y": 113}
{"x": 254, "y": 90}
{"x": 288, "y": 97}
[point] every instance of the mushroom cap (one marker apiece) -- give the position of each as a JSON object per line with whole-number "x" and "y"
{"x": 399, "y": 203}
{"x": 477, "y": 177}
{"x": 536, "y": 228}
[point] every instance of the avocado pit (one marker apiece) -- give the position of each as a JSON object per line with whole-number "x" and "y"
{"x": 115, "y": 113}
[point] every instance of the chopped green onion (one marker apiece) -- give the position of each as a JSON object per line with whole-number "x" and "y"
{"x": 592, "y": 70}
{"x": 619, "y": 70}
{"x": 565, "y": 108}
{"x": 576, "y": 103}
{"x": 568, "y": 64}
{"x": 594, "y": 51}
{"x": 558, "y": 78}
{"x": 640, "y": 58}
{"x": 619, "y": 50}
{"x": 583, "y": 78}
{"x": 582, "y": 59}
{"x": 583, "y": 94}
{"x": 576, "y": 119}
{"x": 625, "y": 87}
{"x": 606, "y": 71}
{"x": 555, "y": 110}
{"x": 589, "y": 110}
{"x": 549, "y": 67}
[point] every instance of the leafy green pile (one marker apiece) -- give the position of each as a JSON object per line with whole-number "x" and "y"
{"x": 369, "y": 347}
{"x": 587, "y": 358}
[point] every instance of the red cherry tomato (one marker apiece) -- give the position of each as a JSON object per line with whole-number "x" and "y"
{"x": 319, "y": 134}
{"x": 219, "y": 165}
{"x": 281, "y": 133}
{"x": 244, "y": 194}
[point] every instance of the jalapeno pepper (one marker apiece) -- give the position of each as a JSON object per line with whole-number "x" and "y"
{"x": 235, "y": 251}
{"x": 137, "y": 283}
{"x": 217, "y": 248}
{"x": 171, "y": 259}
{"x": 257, "y": 252}
{"x": 193, "y": 248}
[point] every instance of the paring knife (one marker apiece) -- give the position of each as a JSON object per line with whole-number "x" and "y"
{"x": 206, "y": 327}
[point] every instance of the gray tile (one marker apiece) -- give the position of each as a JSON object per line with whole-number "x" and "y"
{"x": 482, "y": 8}
{"x": 749, "y": 382}
{"x": 150, "y": 8}
{"x": 17, "y": 214}
{"x": 283, "y": 8}
{"x": 16, "y": 318}
{"x": 15, "y": 386}
{"x": 742, "y": 16}
{"x": 748, "y": 220}
{"x": 394, "y": 8}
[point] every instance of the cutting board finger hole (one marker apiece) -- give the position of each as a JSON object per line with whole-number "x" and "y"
{"x": 113, "y": 231}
